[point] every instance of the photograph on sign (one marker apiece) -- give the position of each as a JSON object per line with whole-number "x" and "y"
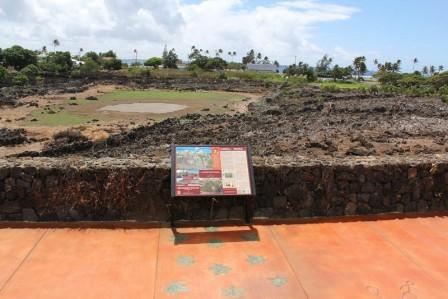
{"x": 212, "y": 171}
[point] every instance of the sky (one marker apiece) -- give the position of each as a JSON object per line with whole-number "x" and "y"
{"x": 283, "y": 30}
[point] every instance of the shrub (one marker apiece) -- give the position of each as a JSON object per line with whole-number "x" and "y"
{"x": 155, "y": 62}
{"x": 330, "y": 88}
{"x": 89, "y": 69}
{"x": 139, "y": 72}
{"x": 18, "y": 57}
{"x": 3, "y": 73}
{"x": 388, "y": 78}
{"x": 31, "y": 71}
{"x": 58, "y": 62}
{"x": 410, "y": 80}
{"x": 20, "y": 79}
{"x": 70, "y": 136}
{"x": 112, "y": 64}
{"x": 445, "y": 99}
{"x": 222, "y": 76}
{"x": 439, "y": 80}
{"x": 443, "y": 90}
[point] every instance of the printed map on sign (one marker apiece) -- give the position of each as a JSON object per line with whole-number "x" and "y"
{"x": 211, "y": 171}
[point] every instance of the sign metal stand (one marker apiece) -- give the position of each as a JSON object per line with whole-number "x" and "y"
{"x": 189, "y": 183}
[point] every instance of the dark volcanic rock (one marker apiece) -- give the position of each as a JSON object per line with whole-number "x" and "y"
{"x": 12, "y": 137}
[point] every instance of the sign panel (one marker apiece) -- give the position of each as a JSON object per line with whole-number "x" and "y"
{"x": 211, "y": 171}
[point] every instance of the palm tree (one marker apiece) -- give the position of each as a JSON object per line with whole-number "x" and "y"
{"x": 376, "y": 62}
{"x": 432, "y": 70}
{"x": 44, "y": 49}
{"x": 136, "y": 55}
{"x": 80, "y": 52}
{"x": 441, "y": 68}
{"x": 415, "y": 62}
{"x": 425, "y": 70}
{"x": 259, "y": 56}
{"x": 56, "y": 43}
{"x": 207, "y": 52}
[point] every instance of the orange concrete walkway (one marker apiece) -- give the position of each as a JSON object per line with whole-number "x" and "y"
{"x": 405, "y": 258}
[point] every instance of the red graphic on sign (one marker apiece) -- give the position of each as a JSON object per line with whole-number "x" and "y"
{"x": 188, "y": 190}
{"x": 216, "y": 158}
{"x": 230, "y": 191}
{"x": 210, "y": 174}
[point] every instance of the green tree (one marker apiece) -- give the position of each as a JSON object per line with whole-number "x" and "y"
{"x": 56, "y": 43}
{"x": 359, "y": 64}
{"x": 1, "y": 56}
{"x": 18, "y": 57}
{"x": 93, "y": 56}
{"x": 165, "y": 52}
{"x": 20, "y": 79}
{"x": 170, "y": 61}
{"x": 58, "y": 62}
{"x": 89, "y": 69}
{"x": 111, "y": 63}
{"x": 3, "y": 73}
{"x": 323, "y": 66}
{"x": 31, "y": 71}
{"x": 432, "y": 70}
{"x": 411, "y": 80}
{"x": 441, "y": 68}
{"x": 337, "y": 72}
{"x": 425, "y": 70}
{"x": 155, "y": 62}
{"x": 415, "y": 61}
{"x": 302, "y": 69}
{"x": 249, "y": 58}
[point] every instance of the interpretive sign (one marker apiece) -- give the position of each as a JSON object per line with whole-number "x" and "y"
{"x": 211, "y": 171}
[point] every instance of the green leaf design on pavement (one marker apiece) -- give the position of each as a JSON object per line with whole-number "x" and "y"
{"x": 185, "y": 260}
{"x": 256, "y": 259}
{"x": 211, "y": 229}
{"x": 175, "y": 288}
{"x": 178, "y": 238}
{"x": 219, "y": 269}
{"x": 214, "y": 243}
{"x": 250, "y": 237}
{"x": 233, "y": 292}
{"x": 278, "y": 281}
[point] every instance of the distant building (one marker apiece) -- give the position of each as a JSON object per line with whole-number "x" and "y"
{"x": 263, "y": 68}
{"x": 77, "y": 62}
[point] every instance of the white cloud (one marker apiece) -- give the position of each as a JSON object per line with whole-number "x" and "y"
{"x": 280, "y": 30}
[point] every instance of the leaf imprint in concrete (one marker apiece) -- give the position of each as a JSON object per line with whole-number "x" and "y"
{"x": 278, "y": 281}
{"x": 175, "y": 288}
{"x": 219, "y": 269}
{"x": 256, "y": 259}
{"x": 233, "y": 292}
{"x": 185, "y": 260}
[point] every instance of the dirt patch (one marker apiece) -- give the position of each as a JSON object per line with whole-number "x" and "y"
{"x": 157, "y": 108}
{"x": 299, "y": 122}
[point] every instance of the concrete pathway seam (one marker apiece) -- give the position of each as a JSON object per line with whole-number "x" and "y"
{"x": 287, "y": 260}
{"x": 23, "y": 260}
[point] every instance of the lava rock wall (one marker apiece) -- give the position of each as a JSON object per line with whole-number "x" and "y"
{"x": 112, "y": 189}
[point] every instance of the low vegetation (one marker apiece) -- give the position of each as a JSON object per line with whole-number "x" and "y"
{"x": 20, "y": 66}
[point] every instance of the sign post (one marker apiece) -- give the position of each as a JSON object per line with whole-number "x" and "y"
{"x": 212, "y": 171}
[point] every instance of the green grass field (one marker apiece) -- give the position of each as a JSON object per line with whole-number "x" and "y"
{"x": 84, "y": 110}
{"x": 61, "y": 118}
